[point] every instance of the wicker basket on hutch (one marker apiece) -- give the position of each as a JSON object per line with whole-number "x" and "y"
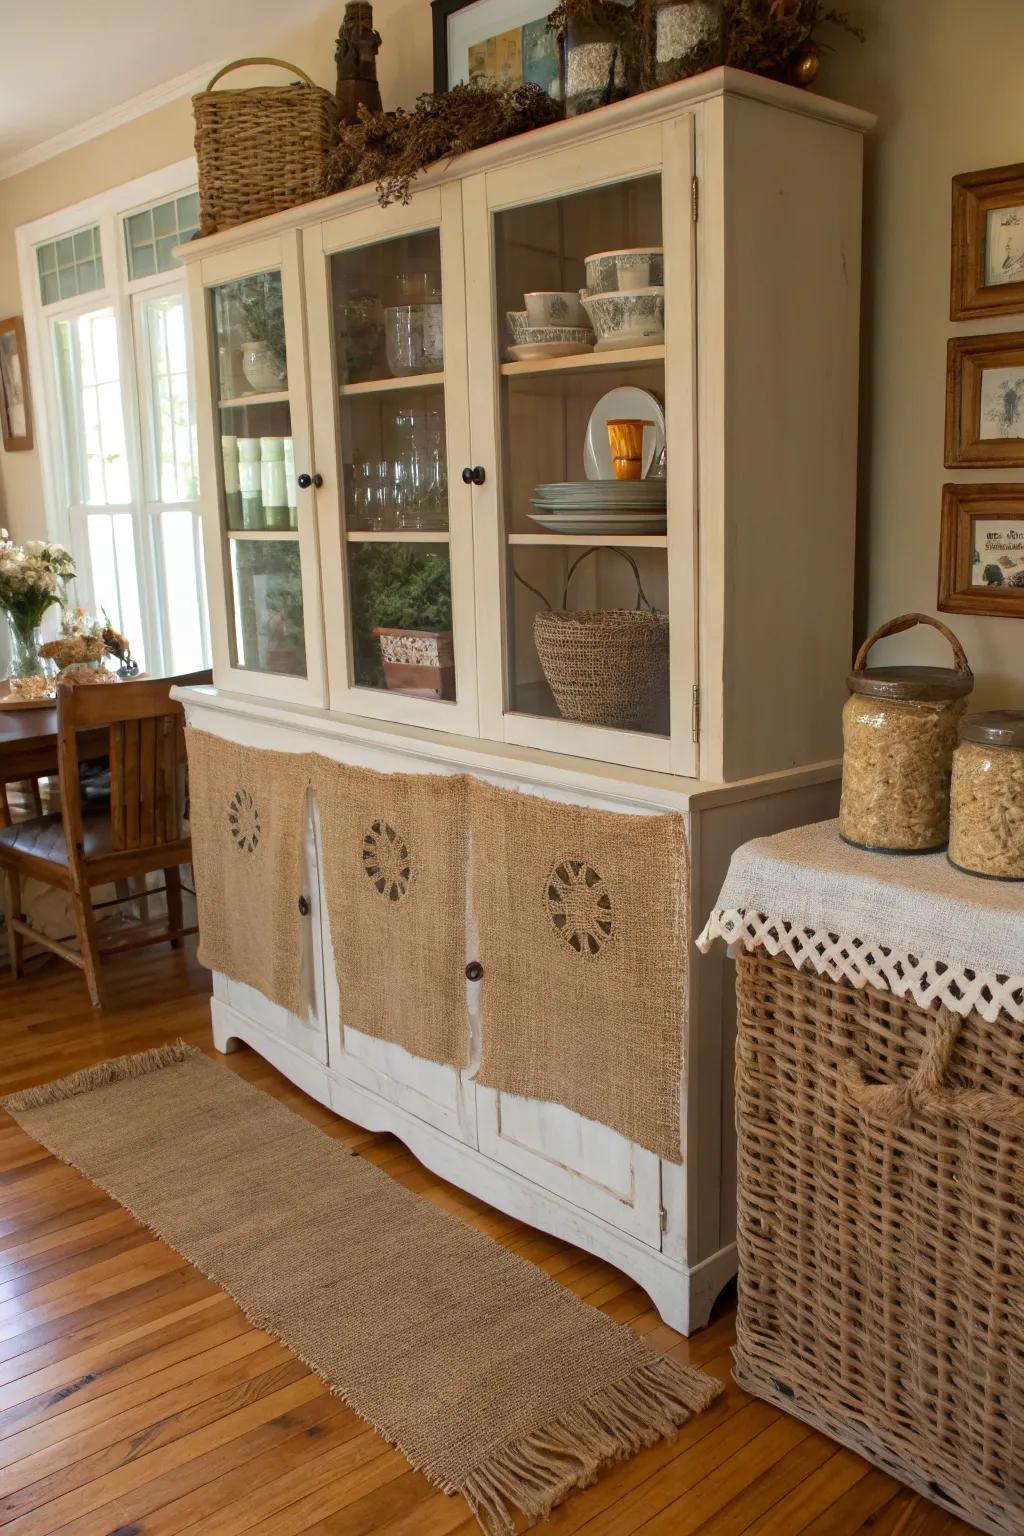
{"x": 262, "y": 149}
{"x": 881, "y": 1230}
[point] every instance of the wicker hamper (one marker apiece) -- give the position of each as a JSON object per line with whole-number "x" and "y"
{"x": 881, "y": 1231}
{"x": 260, "y": 150}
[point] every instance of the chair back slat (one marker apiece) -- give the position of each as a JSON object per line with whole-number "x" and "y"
{"x": 147, "y": 757}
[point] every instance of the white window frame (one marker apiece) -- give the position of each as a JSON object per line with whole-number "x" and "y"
{"x": 121, "y": 293}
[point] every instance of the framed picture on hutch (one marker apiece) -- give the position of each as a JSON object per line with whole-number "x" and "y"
{"x": 503, "y": 41}
{"x": 15, "y": 403}
{"x": 985, "y": 401}
{"x": 981, "y": 551}
{"x": 988, "y": 243}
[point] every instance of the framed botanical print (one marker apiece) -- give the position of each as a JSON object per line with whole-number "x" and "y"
{"x": 988, "y": 243}
{"x": 981, "y": 551}
{"x": 506, "y": 41}
{"x": 985, "y": 401}
{"x": 15, "y": 403}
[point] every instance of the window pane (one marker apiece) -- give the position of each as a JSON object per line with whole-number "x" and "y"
{"x": 152, "y": 234}
{"x": 70, "y": 265}
{"x": 88, "y": 380}
{"x": 184, "y": 599}
{"x": 115, "y": 585}
{"x": 165, "y": 220}
{"x": 168, "y": 410}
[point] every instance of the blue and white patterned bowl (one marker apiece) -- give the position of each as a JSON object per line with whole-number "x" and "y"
{"x": 625, "y": 271}
{"x": 631, "y": 319}
{"x": 518, "y": 322}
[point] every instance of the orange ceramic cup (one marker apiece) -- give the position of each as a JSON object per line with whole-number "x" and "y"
{"x": 626, "y": 440}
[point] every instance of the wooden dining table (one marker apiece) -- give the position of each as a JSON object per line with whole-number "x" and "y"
{"x": 28, "y": 747}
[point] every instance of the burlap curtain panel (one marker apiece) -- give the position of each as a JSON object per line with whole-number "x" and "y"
{"x": 583, "y": 935}
{"x": 394, "y": 874}
{"x": 248, "y": 818}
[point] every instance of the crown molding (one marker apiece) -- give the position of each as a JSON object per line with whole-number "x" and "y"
{"x": 104, "y": 122}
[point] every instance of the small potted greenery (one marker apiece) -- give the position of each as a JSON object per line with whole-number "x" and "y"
{"x": 402, "y": 607}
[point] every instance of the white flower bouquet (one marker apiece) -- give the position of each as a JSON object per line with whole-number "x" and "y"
{"x": 33, "y": 576}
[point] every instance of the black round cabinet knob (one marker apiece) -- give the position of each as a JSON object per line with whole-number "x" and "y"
{"x": 305, "y": 481}
{"x": 304, "y": 906}
{"x": 475, "y": 476}
{"x": 474, "y": 970}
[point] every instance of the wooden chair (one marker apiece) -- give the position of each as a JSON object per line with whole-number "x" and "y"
{"x": 138, "y": 831}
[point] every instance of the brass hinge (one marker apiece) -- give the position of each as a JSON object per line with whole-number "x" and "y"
{"x": 695, "y": 719}
{"x": 663, "y": 1214}
{"x": 695, "y": 197}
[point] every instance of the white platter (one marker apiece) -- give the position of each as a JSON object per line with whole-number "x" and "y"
{"x": 623, "y": 403}
{"x": 641, "y": 522}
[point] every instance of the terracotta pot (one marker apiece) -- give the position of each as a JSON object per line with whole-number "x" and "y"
{"x": 418, "y": 661}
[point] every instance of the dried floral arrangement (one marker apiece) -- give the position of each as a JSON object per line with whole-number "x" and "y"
{"x": 777, "y": 37}
{"x": 767, "y": 37}
{"x": 392, "y": 148}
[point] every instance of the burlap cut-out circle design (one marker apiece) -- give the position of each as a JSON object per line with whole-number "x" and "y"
{"x": 244, "y": 821}
{"x": 580, "y": 906}
{"x": 387, "y": 861}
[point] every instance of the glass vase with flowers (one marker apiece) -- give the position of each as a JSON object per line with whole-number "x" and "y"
{"x": 33, "y": 577}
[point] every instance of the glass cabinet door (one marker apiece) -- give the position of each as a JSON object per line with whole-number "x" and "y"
{"x": 581, "y": 397}
{"x": 265, "y": 534}
{"x": 395, "y": 537}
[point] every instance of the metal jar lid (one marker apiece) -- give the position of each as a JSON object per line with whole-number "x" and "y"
{"x": 922, "y": 683}
{"x": 994, "y": 728}
{"x": 929, "y": 684}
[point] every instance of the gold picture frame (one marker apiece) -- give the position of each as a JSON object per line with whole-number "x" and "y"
{"x": 985, "y": 401}
{"x": 981, "y": 550}
{"x": 988, "y": 243}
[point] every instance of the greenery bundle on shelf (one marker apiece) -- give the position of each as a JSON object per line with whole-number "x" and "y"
{"x": 393, "y": 586}
{"x": 261, "y": 301}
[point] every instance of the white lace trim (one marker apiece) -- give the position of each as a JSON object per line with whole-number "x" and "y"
{"x": 925, "y": 980}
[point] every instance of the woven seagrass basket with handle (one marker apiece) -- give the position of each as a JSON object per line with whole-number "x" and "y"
{"x": 260, "y": 149}
{"x": 606, "y": 666}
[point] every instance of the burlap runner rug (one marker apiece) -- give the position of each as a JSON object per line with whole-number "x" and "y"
{"x": 248, "y": 817}
{"x": 394, "y": 875}
{"x": 493, "y": 1380}
{"x": 583, "y": 935}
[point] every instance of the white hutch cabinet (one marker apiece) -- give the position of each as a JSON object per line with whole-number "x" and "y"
{"x": 341, "y": 496}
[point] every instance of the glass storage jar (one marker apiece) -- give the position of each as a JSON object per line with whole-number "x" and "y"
{"x": 687, "y": 38}
{"x": 986, "y": 832}
{"x": 899, "y": 733}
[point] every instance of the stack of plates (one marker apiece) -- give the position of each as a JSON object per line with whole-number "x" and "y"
{"x": 601, "y": 506}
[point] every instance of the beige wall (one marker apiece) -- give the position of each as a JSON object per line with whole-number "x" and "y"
{"x": 943, "y": 77}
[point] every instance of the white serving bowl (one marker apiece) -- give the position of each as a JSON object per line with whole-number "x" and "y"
{"x": 554, "y": 309}
{"x": 635, "y": 318}
{"x": 626, "y": 271}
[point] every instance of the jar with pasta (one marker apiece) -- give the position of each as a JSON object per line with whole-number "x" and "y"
{"x": 900, "y": 728}
{"x": 986, "y": 834}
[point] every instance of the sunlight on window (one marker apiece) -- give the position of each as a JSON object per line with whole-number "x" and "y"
{"x": 89, "y": 381}
{"x": 183, "y": 594}
{"x": 115, "y": 580}
{"x": 175, "y": 449}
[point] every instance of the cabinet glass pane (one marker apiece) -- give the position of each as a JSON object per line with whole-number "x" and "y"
{"x": 248, "y": 334}
{"x": 579, "y": 280}
{"x": 400, "y": 600}
{"x": 394, "y": 464}
{"x": 258, "y": 484}
{"x": 266, "y": 582}
{"x": 387, "y": 309}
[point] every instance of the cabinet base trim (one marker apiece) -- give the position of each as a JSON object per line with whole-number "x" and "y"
{"x": 683, "y": 1295}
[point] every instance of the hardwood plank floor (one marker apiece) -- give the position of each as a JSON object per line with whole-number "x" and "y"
{"x": 136, "y": 1400}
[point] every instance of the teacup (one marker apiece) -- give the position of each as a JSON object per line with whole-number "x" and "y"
{"x": 554, "y": 309}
